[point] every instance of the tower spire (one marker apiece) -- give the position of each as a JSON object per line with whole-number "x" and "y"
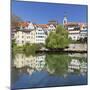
{"x": 65, "y": 20}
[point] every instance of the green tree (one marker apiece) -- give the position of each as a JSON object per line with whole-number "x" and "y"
{"x": 14, "y": 21}
{"x": 58, "y": 39}
{"x": 13, "y": 43}
{"x": 30, "y": 48}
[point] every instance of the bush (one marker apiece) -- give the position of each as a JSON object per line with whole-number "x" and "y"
{"x": 31, "y": 48}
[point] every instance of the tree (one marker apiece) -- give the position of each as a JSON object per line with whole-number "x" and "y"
{"x": 14, "y": 20}
{"x": 58, "y": 39}
{"x": 13, "y": 43}
{"x": 30, "y": 48}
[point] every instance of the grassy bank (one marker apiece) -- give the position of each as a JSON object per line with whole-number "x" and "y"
{"x": 27, "y": 48}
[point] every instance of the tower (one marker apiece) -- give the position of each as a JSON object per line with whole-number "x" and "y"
{"x": 65, "y": 20}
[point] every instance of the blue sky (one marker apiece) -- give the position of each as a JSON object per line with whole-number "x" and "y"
{"x": 43, "y": 12}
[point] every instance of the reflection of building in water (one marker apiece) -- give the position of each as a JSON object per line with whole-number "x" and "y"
{"x": 21, "y": 61}
{"x": 77, "y": 65}
{"x": 74, "y": 64}
{"x": 83, "y": 67}
{"x": 40, "y": 62}
{"x": 30, "y": 71}
{"x": 78, "y": 54}
{"x": 34, "y": 62}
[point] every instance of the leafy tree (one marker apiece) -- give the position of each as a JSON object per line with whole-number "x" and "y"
{"x": 14, "y": 20}
{"x": 13, "y": 43}
{"x": 58, "y": 39}
{"x": 30, "y": 48}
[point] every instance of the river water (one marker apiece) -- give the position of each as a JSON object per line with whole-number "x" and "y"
{"x": 48, "y": 70}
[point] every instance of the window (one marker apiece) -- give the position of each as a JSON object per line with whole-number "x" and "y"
{"x": 22, "y": 42}
{"x": 28, "y": 37}
{"x": 40, "y": 36}
{"x": 39, "y": 30}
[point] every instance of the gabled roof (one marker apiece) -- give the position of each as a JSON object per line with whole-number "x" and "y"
{"x": 42, "y": 25}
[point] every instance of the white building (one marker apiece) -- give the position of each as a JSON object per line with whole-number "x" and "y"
{"x": 74, "y": 30}
{"x": 51, "y": 27}
{"x": 41, "y": 33}
{"x": 32, "y": 33}
{"x": 84, "y": 31}
{"x": 74, "y": 35}
{"x": 24, "y": 36}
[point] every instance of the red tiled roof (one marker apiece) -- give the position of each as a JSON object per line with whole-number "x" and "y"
{"x": 23, "y": 24}
{"x": 42, "y": 25}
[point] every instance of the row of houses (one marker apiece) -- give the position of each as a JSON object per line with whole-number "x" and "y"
{"x": 28, "y": 32}
{"x": 76, "y": 30}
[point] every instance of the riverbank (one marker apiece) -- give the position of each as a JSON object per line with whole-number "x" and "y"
{"x": 63, "y": 51}
{"x": 73, "y": 48}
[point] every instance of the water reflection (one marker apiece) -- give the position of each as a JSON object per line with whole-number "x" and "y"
{"x": 64, "y": 64}
{"x": 78, "y": 63}
{"x": 32, "y": 62}
{"x": 53, "y": 65}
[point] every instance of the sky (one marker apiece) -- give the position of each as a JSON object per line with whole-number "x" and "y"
{"x": 41, "y": 13}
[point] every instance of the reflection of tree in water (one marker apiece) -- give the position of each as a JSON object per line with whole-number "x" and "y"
{"x": 57, "y": 63}
{"x": 61, "y": 64}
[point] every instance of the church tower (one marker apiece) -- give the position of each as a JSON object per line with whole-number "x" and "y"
{"x": 65, "y": 20}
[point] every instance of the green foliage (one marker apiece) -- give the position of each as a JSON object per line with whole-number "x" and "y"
{"x": 58, "y": 39}
{"x": 14, "y": 20}
{"x": 81, "y": 40}
{"x": 13, "y": 43}
{"x": 27, "y": 48}
{"x": 58, "y": 63}
{"x": 31, "y": 48}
